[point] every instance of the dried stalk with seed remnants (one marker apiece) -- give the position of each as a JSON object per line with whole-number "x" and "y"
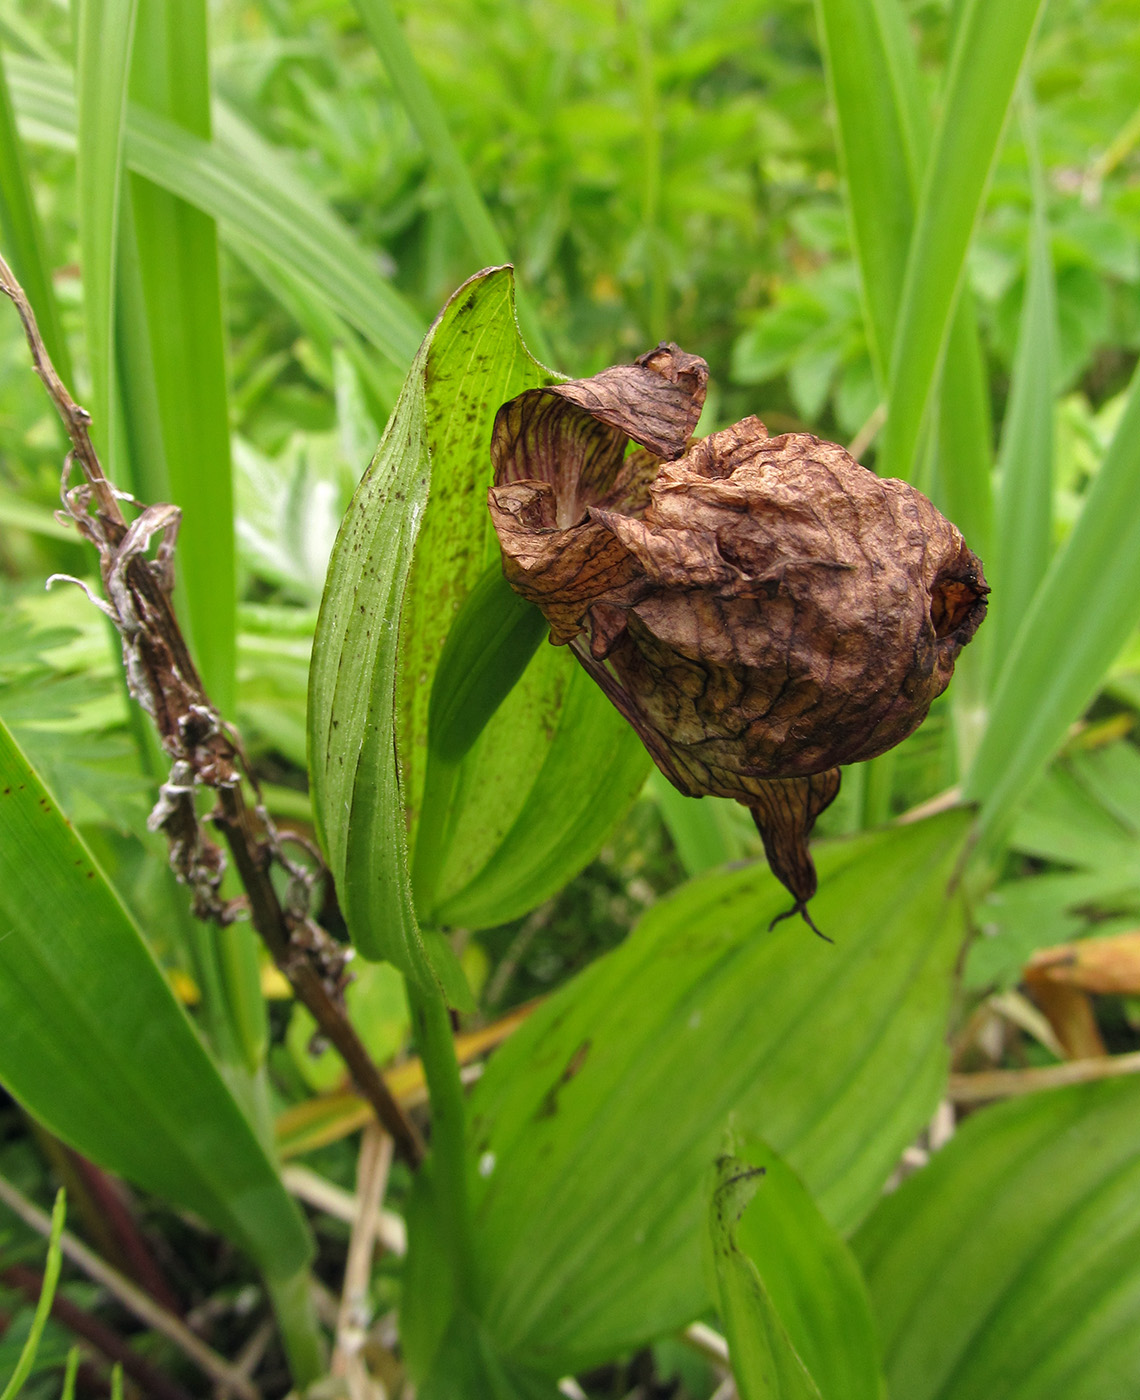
{"x": 203, "y": 749}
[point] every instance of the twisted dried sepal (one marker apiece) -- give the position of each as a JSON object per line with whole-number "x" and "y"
{"x": 784, "y": 811}
{"x": 760, "y": 609}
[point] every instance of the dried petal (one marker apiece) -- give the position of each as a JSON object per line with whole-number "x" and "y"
{"x": 760, "y": 609}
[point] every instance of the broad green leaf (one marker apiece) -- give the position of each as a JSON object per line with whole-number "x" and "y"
{"x": 105, "y": 31}
{"x": 811, "y": 1278}
{"x": 470, "y": 361}
{"x": 1081, "y": 616}
{"x": 542, "y": 788}
{"x": 1081, "y": 820}
{"x": 765, "y": 1363}
{"x": 1010, "y": 1266}
{"x": 95, "y": 1046}
{"x": 297, "y": 231}
{"x": 593, "y": 1127}
{"x": 1024, "y": 508}
{"x": 990, "y": 45}
{"x": 468, "y": 1365}
{"x": 478, "y": 361}
{"x": 357, "y": 801}
{"x": 178, "y": 266}
{"x": 23, "y": 236}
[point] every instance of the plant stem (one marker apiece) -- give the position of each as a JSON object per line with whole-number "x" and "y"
{"x": 448, "y": 1161}
{"x": 297, "y": 1323}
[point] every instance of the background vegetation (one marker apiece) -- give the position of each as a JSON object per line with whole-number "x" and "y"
{"x": 237, "y": 289}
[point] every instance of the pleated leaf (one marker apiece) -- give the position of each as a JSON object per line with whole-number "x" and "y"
{"x": 765, "y": 1363}
{"x": 811, "y": 1289}
{"x": 1010, "y": 1266}
{"x": 594, "y": 1126}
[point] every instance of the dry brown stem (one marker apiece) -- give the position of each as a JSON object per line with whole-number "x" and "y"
{"x": 203, "y": 749}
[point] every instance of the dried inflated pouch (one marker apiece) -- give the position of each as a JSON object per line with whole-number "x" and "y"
{"x": 761, "y": 609}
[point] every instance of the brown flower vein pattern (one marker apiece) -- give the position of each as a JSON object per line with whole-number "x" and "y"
{"x": 761, "y": 609}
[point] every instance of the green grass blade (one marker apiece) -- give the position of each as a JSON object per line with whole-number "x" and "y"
{"x": 963, "y": 488}
{"x": 70, "y": 1375}
{"x": 105, "y": 32}
{"x": 181, "y": 283}
{"x": 882, "y": 129}
{"x": 43, "y": 1306}
{"x": 705, "y": 831}
{"x": 1025, "y": 491}
{"x": 431, "y": 126}
{"x": 990, "y": 47}
{"x": 95, "y": 1046}
{"x": 23, "y": 236}
{"x": 1082, "y": 614}
{"x": 297, "y": 231}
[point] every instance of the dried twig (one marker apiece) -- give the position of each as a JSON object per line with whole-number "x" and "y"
{"x": 132, "y": 1298}
{"x": 1007, "y": 1083}
{"x": 204, "y": 750}
{"x": 353, "y": 1314}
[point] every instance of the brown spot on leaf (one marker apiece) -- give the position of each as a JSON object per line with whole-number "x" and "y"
{"x": 549, "y": 1106}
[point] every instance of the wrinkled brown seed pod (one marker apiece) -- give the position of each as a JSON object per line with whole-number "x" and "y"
{"x": 760, "y": 609}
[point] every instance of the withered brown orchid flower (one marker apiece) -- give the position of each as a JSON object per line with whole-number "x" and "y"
{"x": 760, "y": 609}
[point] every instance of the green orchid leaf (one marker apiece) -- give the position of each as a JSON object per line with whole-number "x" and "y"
{"x": 1011, "y": 1264}
{"x": 764, "y": 1360}
{"x": 594, "y": 1125}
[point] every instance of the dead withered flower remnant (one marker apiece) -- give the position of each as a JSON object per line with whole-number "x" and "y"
{"x": 760, "y": 609}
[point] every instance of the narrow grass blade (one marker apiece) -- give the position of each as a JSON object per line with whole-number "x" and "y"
{"x": 990, "y": 46}
{"x": 178, "y": 266}
{"x": 1082, "y": 614}
{"x": 882, "y": 126}
{"x": 884, "y": 138}
{"x": 23, "y": 236}
{"x": 300, "y": 233}
{"x": 431, "y": 126}
{"x": 70, "y": 1375}
{"x": 95, "y": 1046}
{"x": 706, "y": 832}
{"x": 1025, "y": 491}
{"x": 963, "y": 488}
{"x": 105, "y": 32}
{"x": 43, "y": 1307}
